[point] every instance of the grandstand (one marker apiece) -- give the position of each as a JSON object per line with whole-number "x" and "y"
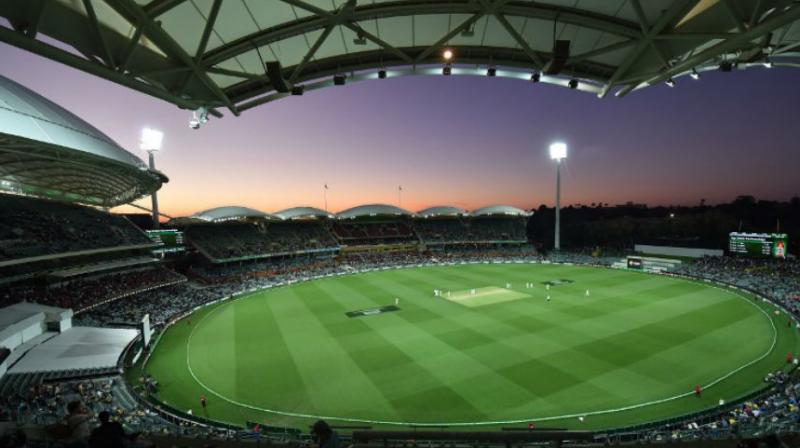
{"x": 34, "y": 229}
{"x": 234, "y": 234}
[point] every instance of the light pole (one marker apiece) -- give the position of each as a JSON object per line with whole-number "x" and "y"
{"x": 558, "y": 152}
{"x": 150, "y": 141}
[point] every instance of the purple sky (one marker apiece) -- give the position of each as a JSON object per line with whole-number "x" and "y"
{"x": 464, "y": 141}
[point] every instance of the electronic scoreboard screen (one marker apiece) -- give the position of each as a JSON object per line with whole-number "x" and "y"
{"x": 758, "y": 244}
{"x": 168, "y": 240}
{"x": 635, "y": 263}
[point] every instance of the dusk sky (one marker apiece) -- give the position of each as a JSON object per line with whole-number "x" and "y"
{"x": 464, "y": 141}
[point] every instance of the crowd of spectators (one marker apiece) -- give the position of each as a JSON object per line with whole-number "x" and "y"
{"x": 162, "y": 304}
{"x": 471, "y": 230}
{"x": 776, "y": 279}
{"x": 356, "y": 233}
{"x": 32, "y": 227}
{"x": 238, "y": 240}
{"x": 232, "y": 240}
{"x": 777, "y": 411}
{"x": 80, "y": 293}
{"x": 82, "y": 412}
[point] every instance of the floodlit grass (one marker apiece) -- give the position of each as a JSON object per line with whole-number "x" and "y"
{"x": 287, "y": 355}
{"x": 483, "y": 296}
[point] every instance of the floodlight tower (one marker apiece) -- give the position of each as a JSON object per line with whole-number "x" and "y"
{"x": 150, "y": 141}
{"x": 558, "y": 152}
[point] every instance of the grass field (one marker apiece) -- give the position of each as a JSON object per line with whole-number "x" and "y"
{"x": 629, "y": 353}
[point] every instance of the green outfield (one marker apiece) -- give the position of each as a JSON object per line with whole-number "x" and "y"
{"x": 490, "y": 351}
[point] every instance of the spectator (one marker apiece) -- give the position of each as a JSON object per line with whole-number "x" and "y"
{"x": 324, "y": 436}
{"x": 77, "y": 422}
{"x": 108, "y": 435}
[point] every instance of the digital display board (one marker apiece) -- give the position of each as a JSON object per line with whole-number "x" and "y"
{"x": 168, "y": 240}
{"x": 635, "y": 263}
{"x": 759, "y": 244}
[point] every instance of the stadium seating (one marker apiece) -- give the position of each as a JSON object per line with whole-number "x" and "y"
{"x": 236, "y": 240}
{"x": 459, "y": 230}
{"x": 363, "y": 232}
{"x": 34, "y": 227}
{"x": 81, "y": 293}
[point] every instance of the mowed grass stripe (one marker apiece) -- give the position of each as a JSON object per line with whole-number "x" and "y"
{"x": 501, "y": 360}
{"x": 332, "y": 379}
{"x": 404, "y": 380}
{"x": 454, "y": 358}
{"x": 618, "y": 349}
{"x": 386, "y": 358}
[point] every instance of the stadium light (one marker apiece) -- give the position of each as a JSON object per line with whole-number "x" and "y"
{"x": 558, "y": 152}
{"x": 694, "y": 74}
{"x": 448, "y": 54}
{"x": 150, "y": 141}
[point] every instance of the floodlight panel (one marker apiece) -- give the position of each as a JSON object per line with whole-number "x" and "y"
{"x": 151, "y": 139}
{"x": 558, "y": 151}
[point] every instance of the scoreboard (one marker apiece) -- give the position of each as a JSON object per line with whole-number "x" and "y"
{"x": 635, "y": 263}
{"x": 758, "y": 244}
{"x": 168, "y": 240}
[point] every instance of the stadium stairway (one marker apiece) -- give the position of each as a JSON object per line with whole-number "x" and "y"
{"x": 122, "y": 395}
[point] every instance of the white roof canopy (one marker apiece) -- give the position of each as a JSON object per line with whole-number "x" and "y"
{"x": 215, "y": 53}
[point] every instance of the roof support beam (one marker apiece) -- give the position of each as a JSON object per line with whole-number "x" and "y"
{"x": 773, "y": 22}
{"x": 349, "y": 22}
{"x": 676, "y": 10}
{"x": 130, "y": 48}
{"x": 537, "y": 60}
{"x": 236, "y": 73}
{"x": 34, "y": 46}
{"x": 694, "y": 36}
{"x": 310, "y": 53}
{"x": 737, "y": 20}
{"x": 640, "y": 16}
{"x": 98, "y": 35}
{"x": 487, "y": 9}
{"x": 30, "y": 27}
{"x": 366, "y": 12}
{"x": 157, "y": 7}
{"x": 600, "y": 51}
{"x": 210, "y": 21}
{"x": 378, "y": 41}
{"x": 756, "y": 13}
{"x": 135, "y": 14}
{"x": 309, "y": 7}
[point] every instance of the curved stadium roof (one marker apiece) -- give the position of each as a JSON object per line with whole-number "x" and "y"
{"x": 47, "y": 151}
{"x": 499, "y": 210}
{"x": 445, "y": 210}
{"x": 302, "y": 212}
{"x": 215, "y": 53}
{"x": 372, "y": 210}
{"x": 230, "y": 212}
